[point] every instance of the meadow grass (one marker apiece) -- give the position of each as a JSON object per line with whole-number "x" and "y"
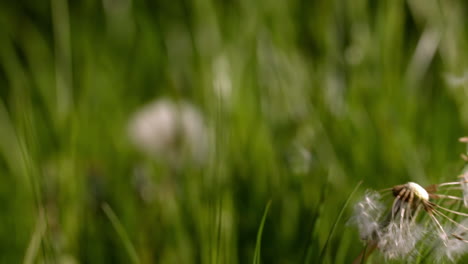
{"x": 302, "y": 100}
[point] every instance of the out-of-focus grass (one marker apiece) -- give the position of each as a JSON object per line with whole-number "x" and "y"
{"x": 304, "y": 98}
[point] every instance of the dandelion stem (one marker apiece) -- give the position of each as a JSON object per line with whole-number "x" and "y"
{"x": 416, "y": 213}
{"x": 460, "y": 238}
{"x": 453, "y": 188}
{"x": 451, "y": 211}
{"x": 439, "y": 226}
{"x": 402, "y": 216}
{"x": 368, "y": 249}
{"x": 450, "y": 219}
{"x": 448, "y": 197}
{"x": 448, "y": 183}
{"x": 397, "y": 201}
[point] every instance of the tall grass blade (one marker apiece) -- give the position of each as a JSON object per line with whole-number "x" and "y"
{"x": 121, "y": 232}
{"x": 256, "y": 259}
{"x": 317, "y": 213}
{"x": 338, "y": 218}
{"x": 36, "y": 239}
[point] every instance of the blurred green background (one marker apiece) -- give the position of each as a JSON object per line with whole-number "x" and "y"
{"x": 293, "y": 102}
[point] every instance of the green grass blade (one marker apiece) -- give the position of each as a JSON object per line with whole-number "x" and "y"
{"x": 34, "y": 246}
{"x": 121, "y": 232}
{"x": 340, "y": 215}
{"x": 310, "y": 243}
{"x": 256, "y": 259}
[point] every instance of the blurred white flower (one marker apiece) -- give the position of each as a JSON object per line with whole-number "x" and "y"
{"x": 170, "y": 131}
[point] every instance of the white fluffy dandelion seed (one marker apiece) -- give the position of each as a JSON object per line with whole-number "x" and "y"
{"x": 398, "y": 240}
{"x": 367, "y": 213}
{"x": 456, "y": 245}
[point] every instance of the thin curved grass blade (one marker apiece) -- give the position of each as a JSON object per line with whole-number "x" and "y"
{"x": 258, "y": 244}
{"x": 121, "y": 232}
{"x": 338, "y": 218}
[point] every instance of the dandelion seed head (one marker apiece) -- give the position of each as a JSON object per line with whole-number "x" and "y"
{"x": 398, "y": 234}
